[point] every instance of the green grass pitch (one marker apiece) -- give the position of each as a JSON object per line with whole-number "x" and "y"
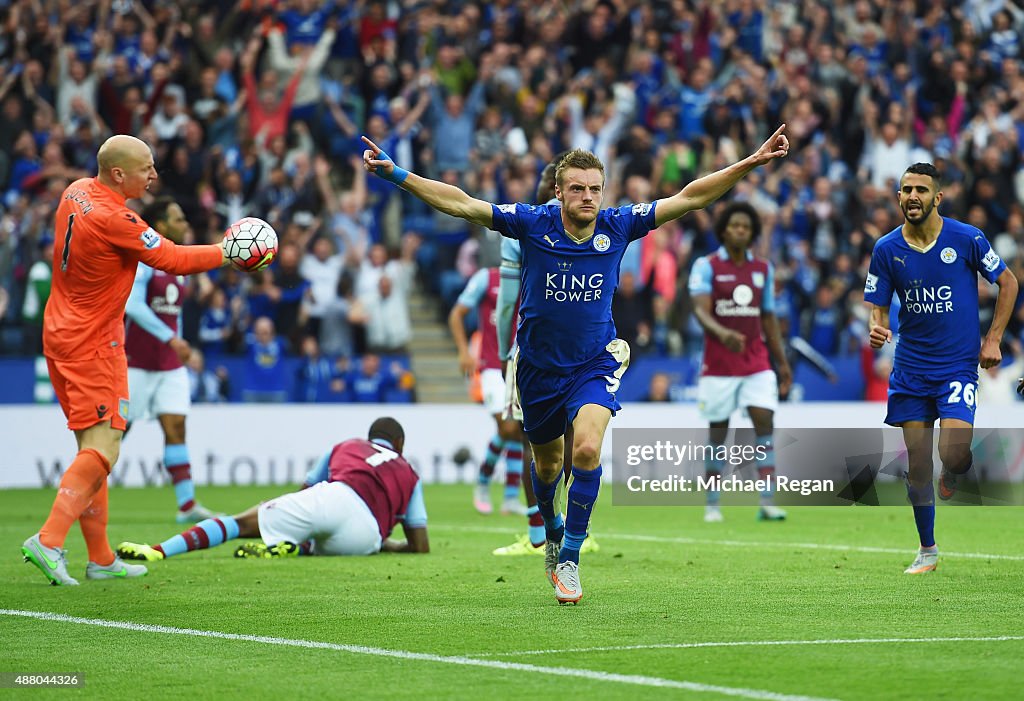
{"x": 480, "y": 626}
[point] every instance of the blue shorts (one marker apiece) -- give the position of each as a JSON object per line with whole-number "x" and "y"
{"x": 550, "y": 400}
{"x": 918, "y": 398}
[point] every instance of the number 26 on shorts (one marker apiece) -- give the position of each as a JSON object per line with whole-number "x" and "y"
{"x": 961, "y": 390}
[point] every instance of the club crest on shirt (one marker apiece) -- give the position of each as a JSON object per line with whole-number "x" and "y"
{"x": 150, "y": 239}
{"x": 758, "y": 279}
{"x": 742, "y": 295}
{"x": 602, "y": 243}
{"x": 948, "y": 255}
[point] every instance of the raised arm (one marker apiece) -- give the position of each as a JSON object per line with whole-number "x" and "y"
{"x": 322, "y": 173}
{"x": 143, "y": 14}
{"x": 277, "y": 52}
{"x": 171, "y": 33}
{"x": 703, "y": 191}
{"x": 340, "y": 118}
{"x": 318, "y": 57}
{"x": 443, "y": 197}
{"x": 413, "y": 116}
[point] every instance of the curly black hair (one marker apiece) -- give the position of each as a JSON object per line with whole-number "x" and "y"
{"x": 722, "y": 220}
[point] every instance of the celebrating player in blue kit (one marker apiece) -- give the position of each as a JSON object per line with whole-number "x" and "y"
{"x": 569, "y": 363}
{"x": 932, "y": 262}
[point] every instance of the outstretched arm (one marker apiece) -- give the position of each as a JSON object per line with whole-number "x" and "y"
{"x": 441, "y": 196}
{"x": 703, "y": 191}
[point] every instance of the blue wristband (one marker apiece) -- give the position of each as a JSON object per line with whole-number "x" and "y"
{"x": 397, "y": 175}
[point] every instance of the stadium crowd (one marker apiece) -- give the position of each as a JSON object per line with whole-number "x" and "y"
{"x": 255, "y": 108}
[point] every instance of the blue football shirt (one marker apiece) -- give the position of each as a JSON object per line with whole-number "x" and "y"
{"x": 566, "y": 309}
{"x": 938, "y": 293}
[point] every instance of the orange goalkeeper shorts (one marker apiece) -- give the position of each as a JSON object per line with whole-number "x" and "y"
{"x": 92, "y": 391}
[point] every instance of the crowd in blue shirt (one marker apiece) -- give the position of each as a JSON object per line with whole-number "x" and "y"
{"x": 483, "y": 95}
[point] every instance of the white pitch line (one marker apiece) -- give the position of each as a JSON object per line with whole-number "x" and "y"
{"x": 634, "y": 679}
{"x": 752, "y": 543}
{"x": 756, "y": 643}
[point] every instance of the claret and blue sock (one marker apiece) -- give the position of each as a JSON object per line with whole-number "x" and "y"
{"x": 205, "y": 534}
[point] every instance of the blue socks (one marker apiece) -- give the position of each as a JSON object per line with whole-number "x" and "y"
{"x": 545, "y": 493}
{"x": 586, "y": 484}
{"x": 923, "y": 501}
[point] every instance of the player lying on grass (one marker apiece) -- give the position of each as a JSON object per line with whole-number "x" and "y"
{"x": 349, "y": 505}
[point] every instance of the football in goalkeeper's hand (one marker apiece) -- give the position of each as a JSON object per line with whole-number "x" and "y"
{"x": 250, "y": 244}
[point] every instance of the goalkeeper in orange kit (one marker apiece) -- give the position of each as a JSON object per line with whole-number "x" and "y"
{"x": 98, "y": 244}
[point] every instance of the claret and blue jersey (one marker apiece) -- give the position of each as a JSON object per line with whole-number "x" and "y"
{"x": 567, "y": 287}
{"x": 938, "y": 292}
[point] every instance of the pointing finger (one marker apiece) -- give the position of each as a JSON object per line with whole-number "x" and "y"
{"x": 373, "y": 146}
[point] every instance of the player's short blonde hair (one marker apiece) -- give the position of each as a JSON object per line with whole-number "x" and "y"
{"x": 577, "y": 158}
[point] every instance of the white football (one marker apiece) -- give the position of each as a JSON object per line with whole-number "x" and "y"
{"x": 251, "y": 244}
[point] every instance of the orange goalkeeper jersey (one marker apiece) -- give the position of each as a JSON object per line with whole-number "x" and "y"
{"x": 98, "y": 242}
